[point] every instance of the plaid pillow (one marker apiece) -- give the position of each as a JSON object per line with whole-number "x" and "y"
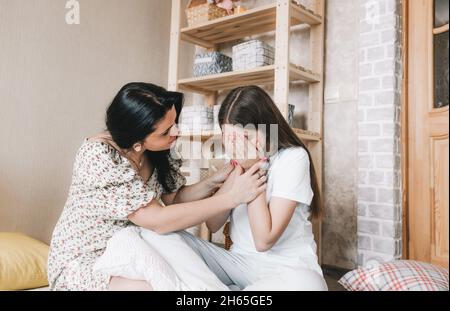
{"x": 401, "y": 275}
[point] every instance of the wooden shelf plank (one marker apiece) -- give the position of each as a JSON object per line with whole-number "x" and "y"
{"x": 254, "y": 21}
{"x": 300, "y": 74}
{"x": 303, "y": 16}
{"x": 307, "y": 135}
{"x": 259, "y": 76}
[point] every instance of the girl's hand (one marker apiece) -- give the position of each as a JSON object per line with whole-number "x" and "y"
{"x": 247, "y": 186}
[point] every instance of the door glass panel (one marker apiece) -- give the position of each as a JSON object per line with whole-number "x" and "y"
{"x": 440, "y": 13}
{"x": 441, "y": 70}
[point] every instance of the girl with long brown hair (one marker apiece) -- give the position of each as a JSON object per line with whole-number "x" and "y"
{"x": 273, "y": 243}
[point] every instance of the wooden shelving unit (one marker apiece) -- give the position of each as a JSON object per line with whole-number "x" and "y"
{"x": 278, "y": 17}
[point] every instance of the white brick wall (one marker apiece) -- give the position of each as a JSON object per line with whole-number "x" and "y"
{"x": 379, "y": 189}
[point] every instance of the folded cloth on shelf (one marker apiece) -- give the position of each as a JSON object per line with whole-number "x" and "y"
{"x": 164, "y": 261}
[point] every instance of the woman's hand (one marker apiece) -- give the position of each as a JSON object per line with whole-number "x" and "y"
{"x": 228, "y": 184}
{"x": 200, "y": 190}
{"x": 247, "y": 186}
{"x": 218, "y": 178}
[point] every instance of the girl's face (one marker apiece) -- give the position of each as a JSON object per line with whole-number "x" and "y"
{"x": 165, "y": 134}
{"x": 246, "y": 146}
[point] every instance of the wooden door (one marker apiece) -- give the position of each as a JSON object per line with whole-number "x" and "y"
{"x": 428, "y": 126}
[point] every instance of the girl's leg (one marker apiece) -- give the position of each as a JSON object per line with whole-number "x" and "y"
{"x": 118, "y": 283}
{"x": 230, "y": 268}
{"x": 291, "y": 280}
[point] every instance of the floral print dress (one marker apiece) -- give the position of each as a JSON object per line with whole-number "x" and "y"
{"x": 105, "y": 189}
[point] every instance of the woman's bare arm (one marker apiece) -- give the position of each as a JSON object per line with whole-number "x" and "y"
{"x": 180, "y": 216}
{"x": 245, "y": 188}
{"x": 200, "y": 190}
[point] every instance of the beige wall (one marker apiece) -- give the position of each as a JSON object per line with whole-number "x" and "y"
{"x": 55, "y": 83}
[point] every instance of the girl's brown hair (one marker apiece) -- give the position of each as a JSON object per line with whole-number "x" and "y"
{"x": 251, "y": 105}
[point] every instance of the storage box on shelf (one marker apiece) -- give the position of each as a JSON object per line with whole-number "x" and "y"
{"x": 211, "y": 63}
{"x": 200, "y": 11}
{"x": 197, "y": 118}
{"x": 252, "y": 54}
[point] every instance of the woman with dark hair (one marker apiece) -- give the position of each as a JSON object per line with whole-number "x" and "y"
{"x": 273, "y": 243}
{"x": 126, "y": 176}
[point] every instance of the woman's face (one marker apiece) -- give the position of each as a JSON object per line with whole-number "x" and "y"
{"x": 165, "y": 134}
{"x": 243, "y": 145}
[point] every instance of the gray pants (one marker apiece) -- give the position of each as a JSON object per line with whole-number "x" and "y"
{"x": 251, "y": 273}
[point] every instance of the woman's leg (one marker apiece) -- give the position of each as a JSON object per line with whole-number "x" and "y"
{"x": 118, "y": 283}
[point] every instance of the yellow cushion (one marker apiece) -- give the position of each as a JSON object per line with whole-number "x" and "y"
{"x": 23, "y": 262}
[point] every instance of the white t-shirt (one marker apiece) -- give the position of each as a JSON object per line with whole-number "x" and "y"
{"x": 288, "y": 178}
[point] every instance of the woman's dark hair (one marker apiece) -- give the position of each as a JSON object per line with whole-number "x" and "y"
{"x": 132, "y": 116}
{"x": 251, "y": 105}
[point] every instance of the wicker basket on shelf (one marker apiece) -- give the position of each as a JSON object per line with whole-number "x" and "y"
{"x": 200, "y": 11}
{"x": 226, "y": 233}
